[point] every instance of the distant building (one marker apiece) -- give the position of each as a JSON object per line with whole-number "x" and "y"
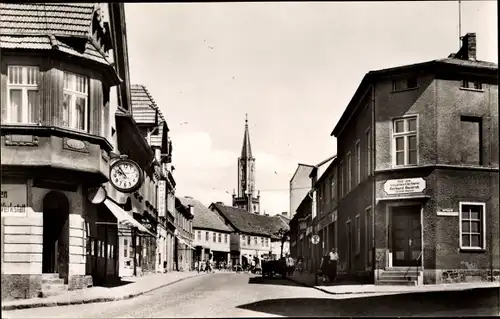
{"x": 184, "y": 251}
{"x": 300, "y": 185}
{"x": 211, "y": 233}
{"x": 247, "y": 197}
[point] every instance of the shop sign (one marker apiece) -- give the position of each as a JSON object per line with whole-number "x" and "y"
{"x": 404, "y": 186}
{"x": 14, "y": 199}
{"x": 161, "y": 198}
{"x": 308, "y": 230}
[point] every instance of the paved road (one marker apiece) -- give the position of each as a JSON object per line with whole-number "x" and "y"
{"x": 243, "y": 295}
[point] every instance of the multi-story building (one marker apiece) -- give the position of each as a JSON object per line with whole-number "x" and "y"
{"x": 62, "y": 77}
{"x": 300, "y": 185}
{"x": 418, "y": 172}
{"x": 184, "y": 236}
{"x": 211, "y": 233}
{"x": 247, "y": 198}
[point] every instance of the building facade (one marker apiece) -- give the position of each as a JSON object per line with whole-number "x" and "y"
{"x": 418, "y": 172}
{"x": 247, "y": 197}
{"x": 184, "y": 250}
{"x": 300, "y": 185}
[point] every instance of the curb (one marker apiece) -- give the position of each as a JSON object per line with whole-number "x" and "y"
{"x": 93, "y": 300}
{"x": 386, "y": 292}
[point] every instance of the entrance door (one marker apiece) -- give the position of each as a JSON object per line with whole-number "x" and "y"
{"x": 406, "y": 235}
{"x": 55, "y": 253}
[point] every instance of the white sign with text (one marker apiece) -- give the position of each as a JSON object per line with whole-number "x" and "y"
{"x": 14, "y": 200}
{"x": 404, "y": 186}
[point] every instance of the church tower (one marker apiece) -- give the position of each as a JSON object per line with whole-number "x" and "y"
{"x": 246, "y": 197}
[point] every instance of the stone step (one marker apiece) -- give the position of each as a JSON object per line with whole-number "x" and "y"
{"x": 53, "y": 289}
{"x": 411, "y": 278}
{"x": 404, "y": 269}
{"x": 54, "y": 286}
{"x": 52, "y": 281}
{"x": 49, "y": 276}
{"x": 400, "y": 273}
{"x": 396, "y": 282}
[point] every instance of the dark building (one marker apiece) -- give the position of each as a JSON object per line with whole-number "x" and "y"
{"x": 418, "y": 172}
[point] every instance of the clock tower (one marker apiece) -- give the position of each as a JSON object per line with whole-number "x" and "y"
{"x": 247, "y": 197}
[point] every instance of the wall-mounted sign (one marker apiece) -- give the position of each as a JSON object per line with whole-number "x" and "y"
{"x": 162, "y": 197}
{"x": 308, "y": 230}
{"x": 334, "y": 216}
{"x": 404, "y": 186}
{"x": 315, "y": 239}
{"x": 97, "y": 195}
{"x": 125, "y": 175}
{"x": 14, "y": 199}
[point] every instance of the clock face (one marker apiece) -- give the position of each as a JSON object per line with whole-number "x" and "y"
{"x": 125, "y": 175}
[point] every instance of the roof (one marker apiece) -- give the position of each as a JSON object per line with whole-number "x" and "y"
{"x": 299, "y": 166}
{"x": 321, "y": 164}
{"x": 326, "y": 171}
{"x": 250, "y": 223}
{"x": 369, "y": 77}
{"x": 72, "y": 19}
{"x": 144, "y": 107}
{"x": 48, "y": 27}
{"x": 204, "y": 217}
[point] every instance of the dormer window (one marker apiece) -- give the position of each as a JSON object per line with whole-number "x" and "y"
{"x": 75, "y": 102}
{"x": 22, "y": 94}
{"x": 468, "y": 84}
{"x": 404, "y": 84}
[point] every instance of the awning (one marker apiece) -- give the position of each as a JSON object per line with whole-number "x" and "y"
{"x": 184, "y": 242}
{"x": 124, "y": 218}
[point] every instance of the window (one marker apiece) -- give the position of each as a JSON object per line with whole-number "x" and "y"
{"x": 125, "y": 248}
{"x": 255, "y": 240}
{"x": 368, "y": 138}
{"x": 23, "y": 94}
{"x": 75, "y": 104}
{"x": 472, "y": 225}
{"x": 357, "y": 230}
{"x": 349, "y": 172}
{"x": 341, "y": 172}
{"x": 220, "y": 238}
{"x": 206, "y": 236}
{"x": 477, "y": 85}
{"x": 404, "y": 84}
{"x": 405, "y": 141}
{"x": 244, "y": 241}
{"x": 249, "y": 240}
{"x": 358, "y": 163}
{"x": 262, "y": 241}
{"x": 214, "y": 237}
{"x": 199, "y": 234}
{"x": 333, "y": 188}
{"x": 225, "y": 238}
{"x": 470, "y": 129}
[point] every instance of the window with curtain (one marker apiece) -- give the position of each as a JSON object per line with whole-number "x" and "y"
{"x": 23, "y": 94}
{"x": 75, "y": 102}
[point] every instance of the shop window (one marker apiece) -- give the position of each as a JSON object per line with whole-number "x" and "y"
{"x": 404, "y": 139}
{"x": 472, "y": 226}
{"x": 23, "y": 94}
{"x": 75, "y": 102}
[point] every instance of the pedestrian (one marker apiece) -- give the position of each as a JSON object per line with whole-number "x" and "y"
{"x": 333, "y": 260}
{"x": 197, "y": 266}
{"x": 324, "y": 267}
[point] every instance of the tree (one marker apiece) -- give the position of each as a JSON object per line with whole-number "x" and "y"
{"x": 282, "y": 235}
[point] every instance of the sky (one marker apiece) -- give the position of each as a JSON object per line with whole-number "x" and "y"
{"x": 292, "y": 66}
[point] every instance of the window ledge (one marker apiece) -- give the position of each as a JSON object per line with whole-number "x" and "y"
{"x": 404, "y": 90}
{"x": 470, "y": 89}
{"x": 472, "y": 250}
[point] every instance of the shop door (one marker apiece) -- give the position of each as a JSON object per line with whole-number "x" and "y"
{"x": 406, "y": 235}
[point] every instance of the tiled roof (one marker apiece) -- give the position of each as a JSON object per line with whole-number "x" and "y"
{"x": 204, "y": 217}
{"x": 46, "y": 18}
{"x": 144, "y": 106}
{"x": 251, "y": 223}
{"x": 469, "y": 63}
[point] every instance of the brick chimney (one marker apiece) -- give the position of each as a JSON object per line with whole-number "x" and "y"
{"x": 468, "y": 49}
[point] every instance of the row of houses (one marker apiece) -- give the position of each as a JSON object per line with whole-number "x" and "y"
{"x": 88, "y": 193}
{"x": 412, "y": 193}
{"x": 231, "y": 234}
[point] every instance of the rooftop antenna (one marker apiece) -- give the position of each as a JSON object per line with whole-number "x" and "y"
{"x": 459, "y": 23}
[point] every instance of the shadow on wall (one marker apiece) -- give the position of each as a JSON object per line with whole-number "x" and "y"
{"x": 477, "y": 302}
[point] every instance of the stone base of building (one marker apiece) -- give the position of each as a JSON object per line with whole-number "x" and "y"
{"x": 16, "y": 286}
{"x": 445, "y": 276}
{"x": 80, "y": 282}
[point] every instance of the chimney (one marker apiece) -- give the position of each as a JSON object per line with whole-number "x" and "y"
{"x": 220, "y": 203}
{"x": 191, "y": 209}
{"x": 468, "y": 49}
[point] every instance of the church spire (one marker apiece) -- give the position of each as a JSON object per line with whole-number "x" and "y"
{"x": 246, "y": 150}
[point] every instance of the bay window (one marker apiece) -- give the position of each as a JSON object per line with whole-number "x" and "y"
{"x": 404, "y": 139}
{"x": 75, "y": 102}
{"x": 23, "y": 95}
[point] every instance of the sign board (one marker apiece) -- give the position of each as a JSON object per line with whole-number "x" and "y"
{"x": 14, "y": 199}
{"x": 404, "y": 186}
{"x": 97, "y": 195}
{"x": 308, "y": 230}
{"x": 162, "y": 197}
{"x": 315, "y": 239}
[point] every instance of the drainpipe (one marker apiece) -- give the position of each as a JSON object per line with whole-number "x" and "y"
{"x": 134, "y": 240}
{"x": 374, "y": 184}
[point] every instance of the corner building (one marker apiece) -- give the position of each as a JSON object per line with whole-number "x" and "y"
{"x": 418, "y": 173}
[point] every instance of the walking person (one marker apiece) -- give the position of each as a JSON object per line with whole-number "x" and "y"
{"x": 325, "y": 264}
{"x": 334, "y": 258}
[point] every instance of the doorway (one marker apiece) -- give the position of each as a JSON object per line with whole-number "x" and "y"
{"x": 349, "y": 245}
{"x": 55, "y": 254}
{"x": 406, "y": 235}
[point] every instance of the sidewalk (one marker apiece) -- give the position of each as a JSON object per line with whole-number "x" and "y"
{"x": 353, "y": 288}
{"x": 138, "y": 286}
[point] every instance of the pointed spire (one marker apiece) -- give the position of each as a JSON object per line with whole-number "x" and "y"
{"x": 246, "y": 151}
